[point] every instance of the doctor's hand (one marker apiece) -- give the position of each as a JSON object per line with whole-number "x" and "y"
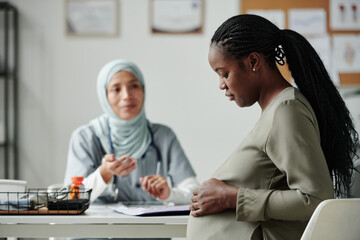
{"x": 156, "y": 185}
{"x": 119, "y": 167}
{"x": 213, "y": 196}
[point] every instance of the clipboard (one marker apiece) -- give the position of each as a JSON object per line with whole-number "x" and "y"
{"x": 146, "y": 210}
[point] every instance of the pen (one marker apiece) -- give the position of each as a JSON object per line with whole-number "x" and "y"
{"x": 113, "y": 187}
{"x": 115, "y": 177}
{"x": 158, "y": 168}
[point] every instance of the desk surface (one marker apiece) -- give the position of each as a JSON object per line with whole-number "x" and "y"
{"x": 97, "y": 221}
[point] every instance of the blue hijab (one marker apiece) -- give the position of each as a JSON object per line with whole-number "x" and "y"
{"x": 128, "y": 136}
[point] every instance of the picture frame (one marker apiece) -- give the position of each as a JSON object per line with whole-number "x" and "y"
{"x": 176, "y": 16}
{"x": 91, "y": 18}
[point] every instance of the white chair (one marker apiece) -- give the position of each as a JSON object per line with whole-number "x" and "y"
{"x": 335, "y": 219}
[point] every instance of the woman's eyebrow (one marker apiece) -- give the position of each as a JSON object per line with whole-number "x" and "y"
{"x": 133, "y": 80}
{"x": 219, "y": 68}
{"x": 118, "y": 84}
{"x": 114, "y": 84}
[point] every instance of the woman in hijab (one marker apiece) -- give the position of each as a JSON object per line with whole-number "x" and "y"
{"x": 122, "y": 156}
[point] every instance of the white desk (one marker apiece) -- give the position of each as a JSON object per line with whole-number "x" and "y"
{"x": 96, "y": 222}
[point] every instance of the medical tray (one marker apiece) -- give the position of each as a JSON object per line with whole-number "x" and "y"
{"x": 43, "y": 201}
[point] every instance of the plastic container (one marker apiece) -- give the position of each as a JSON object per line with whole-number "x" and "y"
{"x": 77, "y": 188}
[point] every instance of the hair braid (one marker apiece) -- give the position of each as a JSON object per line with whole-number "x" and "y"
{"x": 338, "y": 135}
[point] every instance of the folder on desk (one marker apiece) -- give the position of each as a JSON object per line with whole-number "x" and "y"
{"x": 151, "y": 210}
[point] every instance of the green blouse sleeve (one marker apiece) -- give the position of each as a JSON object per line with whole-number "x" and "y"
{"x": 293, "y": 145}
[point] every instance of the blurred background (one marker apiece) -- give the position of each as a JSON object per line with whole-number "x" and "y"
{"x": 57, "y": 69}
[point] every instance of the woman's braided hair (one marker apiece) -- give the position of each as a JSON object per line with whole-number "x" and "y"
{"x": 243, "y": 34}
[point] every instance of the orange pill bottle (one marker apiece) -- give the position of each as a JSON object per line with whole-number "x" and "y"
{"x": 77, "y": 188}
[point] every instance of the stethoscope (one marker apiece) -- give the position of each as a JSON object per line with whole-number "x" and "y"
{"x": 114, "y": 188}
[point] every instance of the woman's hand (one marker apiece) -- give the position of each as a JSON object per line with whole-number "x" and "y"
{"x": 156, "y": 185}
{"x": 119, "y": 167}
{"x": 213, "y": 196}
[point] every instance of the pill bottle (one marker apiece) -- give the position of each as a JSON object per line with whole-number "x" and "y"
{"x": 77, "y": 189}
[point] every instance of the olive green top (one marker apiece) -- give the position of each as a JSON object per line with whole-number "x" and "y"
{"x": 281, "y": 172}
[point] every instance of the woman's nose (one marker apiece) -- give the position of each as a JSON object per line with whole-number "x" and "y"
{"x": 222, "y": 84}
{"x": 125, "y": 93}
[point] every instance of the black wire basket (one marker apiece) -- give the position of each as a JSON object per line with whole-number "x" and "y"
{"x": 43, "y": 201}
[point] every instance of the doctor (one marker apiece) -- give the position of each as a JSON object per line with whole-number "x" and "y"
{"x": 122, "y": 156}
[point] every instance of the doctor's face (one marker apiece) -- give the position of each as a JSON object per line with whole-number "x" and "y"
{"x": 125, "y": 95}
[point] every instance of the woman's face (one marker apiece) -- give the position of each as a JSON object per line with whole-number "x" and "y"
{"x": 234, "y": 79}
{"x": 125, "y": 95}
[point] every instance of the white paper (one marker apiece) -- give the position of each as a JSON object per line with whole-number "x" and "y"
{"x": 345, "y": 14}
{"x": 353, "y": 103}
{"x": 308, "y": 21}
{"x": 10, "y": 189}
{"x": 335, "y": 77}
{"x": 275, "y": 16}
{"x": 150, "y": 210}
{"x": 346, "y": 52}
{"x": 322, "y": 45}
{"x": 176, "y": 15}
{"x": 91, "y": 17}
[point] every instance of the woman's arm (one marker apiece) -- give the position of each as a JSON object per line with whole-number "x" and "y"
{"x": 84, "y": 158}
{"x": 182, "y": 177}
{"x": 182, "y": 192}
{"x": 294, "y": 147}
{"x": 95, "y": 182}
{"x": 213, "y": 196}
{"x": 161, "y": 188}
{"x": 177, "y": 187}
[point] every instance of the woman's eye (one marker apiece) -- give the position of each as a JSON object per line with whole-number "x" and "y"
{"x": 225, "y": 76}
{"x": 135, "y": 86}
{"x": 115, "y": 89}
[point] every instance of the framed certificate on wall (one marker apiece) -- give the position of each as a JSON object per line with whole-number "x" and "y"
{"x": 176, "y": 16}
{"x": 91, "y": 18}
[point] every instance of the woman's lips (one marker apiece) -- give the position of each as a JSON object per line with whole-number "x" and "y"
{"x": 230, "y": 96}
{"x": 128, "y": 107}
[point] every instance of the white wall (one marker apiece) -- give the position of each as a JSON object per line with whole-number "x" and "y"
{"x": 58, "y": 76}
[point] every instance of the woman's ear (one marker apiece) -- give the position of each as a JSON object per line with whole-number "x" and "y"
{"x": 254, "y": 61}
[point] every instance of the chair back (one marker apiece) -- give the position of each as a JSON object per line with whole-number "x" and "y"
{"x": 355, "y": 187}
{"x": 335, "y": 219}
